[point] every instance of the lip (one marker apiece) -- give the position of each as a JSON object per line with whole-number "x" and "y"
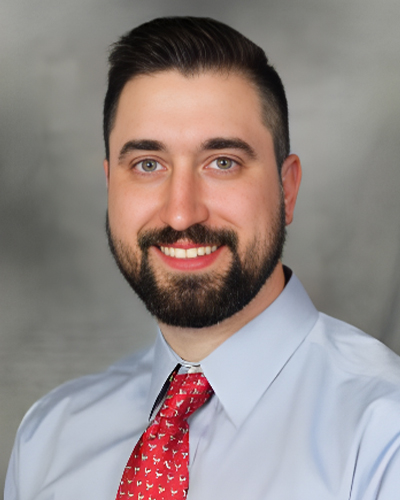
{"x": 195, "y": 264}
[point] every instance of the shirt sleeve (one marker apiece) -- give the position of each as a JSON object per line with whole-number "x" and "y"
{"x": 15, "y": 477}
{"x": 389, "y": 485}
{"x": 377, "y": 473}
{"x": 10, "y": 490}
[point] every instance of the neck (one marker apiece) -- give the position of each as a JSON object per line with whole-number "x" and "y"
{"x": 195, "y": 344}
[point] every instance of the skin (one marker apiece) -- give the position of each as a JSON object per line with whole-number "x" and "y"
{"x": 188, "y": 187}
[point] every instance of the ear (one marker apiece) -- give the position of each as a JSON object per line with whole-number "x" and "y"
{"x": 106, "y": 167}
{"x": 291, "y": 178}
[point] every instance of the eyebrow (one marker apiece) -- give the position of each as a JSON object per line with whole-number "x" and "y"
{"x": 140, "y": 145}
{"x": 215, "y": 143}
{"x": 229, "y": 143}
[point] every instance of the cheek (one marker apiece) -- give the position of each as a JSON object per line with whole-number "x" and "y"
{"x": 127, "y": 210}
{"x": 247, "y": 207}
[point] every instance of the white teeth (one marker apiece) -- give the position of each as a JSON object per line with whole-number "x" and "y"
{"x": 180, "y": 253}
{"x": 190, "y": 253}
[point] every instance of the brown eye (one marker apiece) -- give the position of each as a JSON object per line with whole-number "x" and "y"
{"x": 224, "y": 163}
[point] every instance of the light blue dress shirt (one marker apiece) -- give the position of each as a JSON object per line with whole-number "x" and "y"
{"x": 305, "y": 408}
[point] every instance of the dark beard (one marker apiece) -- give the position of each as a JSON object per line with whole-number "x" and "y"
{"x": 199, "y": 300}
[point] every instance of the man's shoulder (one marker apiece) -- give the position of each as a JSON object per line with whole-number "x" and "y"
{"x": 81, "y": 415}
{"x": 89, "y": 392}
{"x": 355, "y": 354}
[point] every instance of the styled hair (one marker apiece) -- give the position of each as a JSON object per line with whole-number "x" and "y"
{"x": 192, "y": 45}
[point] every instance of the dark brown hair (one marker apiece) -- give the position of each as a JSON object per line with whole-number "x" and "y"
{"x": 192, "y": 45}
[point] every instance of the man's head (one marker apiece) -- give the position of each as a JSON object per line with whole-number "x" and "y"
{"x": 191, "y": 46}
{"x": 197, "y": 206}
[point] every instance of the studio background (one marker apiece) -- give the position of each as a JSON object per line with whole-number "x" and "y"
{"x": 65, "y": 310}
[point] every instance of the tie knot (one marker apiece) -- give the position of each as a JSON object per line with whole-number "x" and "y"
{"x": 185, "y": 395}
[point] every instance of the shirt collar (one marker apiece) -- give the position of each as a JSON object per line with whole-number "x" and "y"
{"x": 165, "y": 360}
{"x": 245, "y": 365}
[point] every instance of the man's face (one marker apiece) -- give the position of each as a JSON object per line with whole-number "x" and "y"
{"x": 196, "y": 214}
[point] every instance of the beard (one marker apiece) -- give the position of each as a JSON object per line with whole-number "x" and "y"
{"x": 190, "y": 300}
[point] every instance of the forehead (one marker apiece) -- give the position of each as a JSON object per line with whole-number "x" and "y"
{"x": 178, "y": 109}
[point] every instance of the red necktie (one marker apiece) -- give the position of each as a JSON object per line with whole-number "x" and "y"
{"x": 159, "y": 465}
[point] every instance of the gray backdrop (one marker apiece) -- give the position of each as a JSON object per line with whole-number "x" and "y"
{"x": 65, "y": 311}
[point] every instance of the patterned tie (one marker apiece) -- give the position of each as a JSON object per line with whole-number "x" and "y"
{"x": 159, "y": 465}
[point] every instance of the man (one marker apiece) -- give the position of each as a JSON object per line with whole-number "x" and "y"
{"x": 294, "y": 405}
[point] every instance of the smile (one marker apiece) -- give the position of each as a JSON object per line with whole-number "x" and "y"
{"x": 189, "y": 253}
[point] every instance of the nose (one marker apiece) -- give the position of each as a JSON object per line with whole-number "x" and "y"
{"x": 184, "y": 203}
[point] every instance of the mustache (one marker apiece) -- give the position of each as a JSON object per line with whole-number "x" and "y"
{"x": 198, "y": 234}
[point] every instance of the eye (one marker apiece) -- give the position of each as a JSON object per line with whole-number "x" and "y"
{"x": 222, "y": 164}
{"x": 148, "y": 166}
